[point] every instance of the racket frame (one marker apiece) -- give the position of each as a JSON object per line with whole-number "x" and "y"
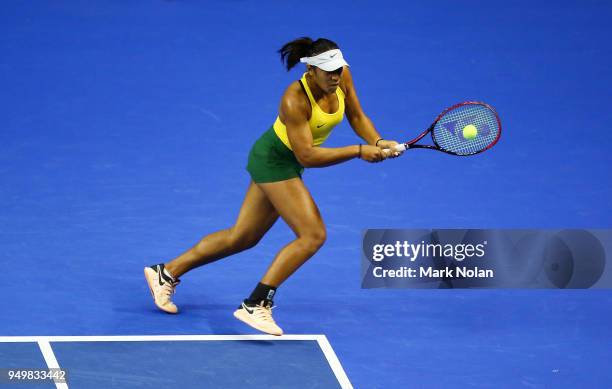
{"x": 411, "y": 144}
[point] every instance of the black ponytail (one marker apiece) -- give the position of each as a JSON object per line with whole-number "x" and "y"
{"x": 304, "y": 47}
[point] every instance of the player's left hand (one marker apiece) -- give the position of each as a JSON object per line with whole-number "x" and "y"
{"x": 388, "y": 144}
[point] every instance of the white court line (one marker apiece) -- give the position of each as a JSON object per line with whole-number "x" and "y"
{"x": 47, "y": 353}
{"x": 149, "y": 338}
{"x": 45, "y": 347}
{"x": 333, "y": 361}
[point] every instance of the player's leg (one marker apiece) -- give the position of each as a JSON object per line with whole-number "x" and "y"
{"x": 293, "y": 202}
{"x": 256, "y": 217}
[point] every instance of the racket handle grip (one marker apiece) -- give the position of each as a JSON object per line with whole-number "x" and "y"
{"x": 398, "y": 147}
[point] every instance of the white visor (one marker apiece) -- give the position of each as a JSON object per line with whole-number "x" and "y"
{"x": 328, "y": 61}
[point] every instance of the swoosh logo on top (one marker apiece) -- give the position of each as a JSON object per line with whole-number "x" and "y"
{"x": 247, "y": 309}
{"x": 332, "y": 56}
{"x": 319, "y": 126}
{"x": 159, "y": 276}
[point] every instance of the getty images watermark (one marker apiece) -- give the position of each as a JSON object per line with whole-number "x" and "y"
{"x": 477, "y": 258}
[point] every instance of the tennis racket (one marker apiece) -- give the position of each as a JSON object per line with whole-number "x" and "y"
{"x": 464, "y": 129}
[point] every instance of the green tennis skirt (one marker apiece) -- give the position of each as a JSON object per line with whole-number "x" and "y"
{"x": 270, "y": 160}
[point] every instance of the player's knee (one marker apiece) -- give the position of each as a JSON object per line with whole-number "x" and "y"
{"x": 242, "y": 240}
{"x": 321, "y": 236}
{"x": 247, "y": 241}
{"x": 315, "y": 238}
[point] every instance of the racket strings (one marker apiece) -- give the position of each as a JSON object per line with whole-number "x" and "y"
{"x": 448, "y": 131}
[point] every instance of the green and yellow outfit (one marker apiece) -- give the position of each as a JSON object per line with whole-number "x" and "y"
{"x": 271, "y": 158}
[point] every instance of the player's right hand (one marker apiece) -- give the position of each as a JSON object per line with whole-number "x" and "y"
{"x": 372, "y": 153}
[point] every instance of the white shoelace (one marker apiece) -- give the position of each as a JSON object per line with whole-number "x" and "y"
{"x": 263, "y": 313}
{"x": 168, "y": 289}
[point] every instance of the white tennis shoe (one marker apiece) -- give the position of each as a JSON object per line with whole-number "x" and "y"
{"x": 259, "y": 317}
{"x": 161, "y": 288}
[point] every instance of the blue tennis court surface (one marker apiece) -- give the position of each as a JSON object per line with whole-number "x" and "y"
{"x": 305, "y": 361}
{"x": 124, "y": 133}
{"x": 22, "y": 355}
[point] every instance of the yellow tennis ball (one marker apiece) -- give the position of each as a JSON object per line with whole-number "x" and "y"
{"x": 470, "y": 131}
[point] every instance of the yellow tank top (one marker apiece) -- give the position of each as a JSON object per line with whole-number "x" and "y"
{"x": 321, "y": 123}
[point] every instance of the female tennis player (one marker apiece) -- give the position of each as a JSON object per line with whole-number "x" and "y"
{"x": 309, "y": 109}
